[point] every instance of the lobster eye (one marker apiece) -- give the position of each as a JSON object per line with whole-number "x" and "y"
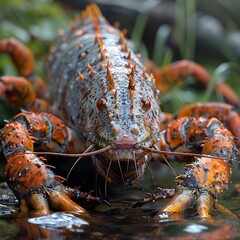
{"x": 146, "y": 104}
{"x": 101, "y": 104}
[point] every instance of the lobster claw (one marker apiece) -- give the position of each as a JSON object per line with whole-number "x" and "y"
{"x": 57, "y": 199}
{"x": 183, "y": 200}
{"x": 201, "y": 188}
{"x": 36, "y": 186}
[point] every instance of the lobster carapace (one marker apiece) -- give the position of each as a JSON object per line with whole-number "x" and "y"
{"x": 109, "y": 109}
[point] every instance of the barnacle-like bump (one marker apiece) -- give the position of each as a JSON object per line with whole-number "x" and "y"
{"x": 101, "y": 104}
{"x": 135, "y": 130}
{"x": 146, "y": 104}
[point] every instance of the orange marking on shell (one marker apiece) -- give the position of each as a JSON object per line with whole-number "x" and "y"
{"x": 152, "y": 79}
{"x": 124, "y": 47}
{"x": 91, "y": 70}
{"x": 132, "y": 70}
{"x": 129, "y": 55}
{"x": 110, "y": 77}
{"x": 116, "y": 94}
{"x": 206, "y": 179}
{"x": 139, "y": 55}
{"x": 128, "y": 65}
{"x": 115, "y": 130}
{"x": 144, "y": 72}
{"x": 79, "y": 44}
{"x": 81, "y": 76}
{"x": 62, "y": 179}
{"x": 111, "y": 29}
{"x": 174, "y": 136}
{"x": 42, "y": 158}
{"x": 99, "y": 40}
{"x": 135, "y": 130}
{"x": 121, "y": 38}
{"x": 50, "y": 166}
{"x": 181, "y": 176}
{"x": 101, "y": 53}
{"x": 131, "y": 84}
{"x": 83, "y": 55}
{"x": 79, "y": 32}
{"x": 101, "y": 104}
{"x": 146, "y": 104}
{"x": 19, "y": 89}
{"x": 13, "y": 172}
{"x": 59, "y": 130}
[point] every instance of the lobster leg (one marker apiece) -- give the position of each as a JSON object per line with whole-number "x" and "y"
{"x": 33, "y": 182}
{"x": 225, "y": 113}
{"x": 25, "y": 91}
{"x": 177, "y": 72}
{"x": 205, "y": 179}
{"x": 21, "y": 56}
{"x": 18, "y": 90}
{"x": 23, "y": 59}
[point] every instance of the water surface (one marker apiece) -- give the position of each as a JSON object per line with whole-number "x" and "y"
{"x": 120, "y": 220}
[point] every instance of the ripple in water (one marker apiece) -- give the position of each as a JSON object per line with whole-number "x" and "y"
{"x": 58, "y": 220}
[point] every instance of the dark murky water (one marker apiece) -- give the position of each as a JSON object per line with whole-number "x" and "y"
{"x": 119, "y": 221}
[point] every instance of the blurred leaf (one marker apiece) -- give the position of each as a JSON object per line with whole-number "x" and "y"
{"x": 161, "y": 51}
{"x": 45, "y": 29}
{"x": 222, "y": 73}
{"x": 9, "y": 29}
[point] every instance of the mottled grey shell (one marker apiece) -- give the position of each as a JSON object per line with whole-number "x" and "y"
{"x": 101, "y": 87}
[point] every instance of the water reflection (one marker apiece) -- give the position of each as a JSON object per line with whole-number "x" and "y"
{"x": 118, "y": 222}
{"x": 195, "y": 228}
{"x": 219, "y": 230}
{"x": 59, "y": 220}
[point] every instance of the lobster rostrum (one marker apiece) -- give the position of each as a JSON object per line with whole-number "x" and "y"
{"x": 109, "y": 109}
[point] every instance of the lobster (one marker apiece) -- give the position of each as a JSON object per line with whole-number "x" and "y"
{"x": 101, "y": 102}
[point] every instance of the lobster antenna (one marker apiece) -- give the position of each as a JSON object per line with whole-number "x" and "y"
{"x": 182, "y": 153}
{"x": 87, "y": 150}
{"x": 166, "y": 161}
{"x": 87, "y": 154}
{"x": 141, "y": 147}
